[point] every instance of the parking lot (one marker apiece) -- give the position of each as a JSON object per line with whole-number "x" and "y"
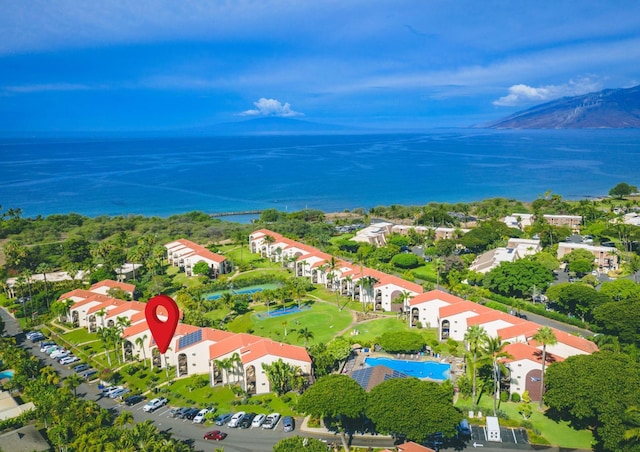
{"x": 511, "y": 437}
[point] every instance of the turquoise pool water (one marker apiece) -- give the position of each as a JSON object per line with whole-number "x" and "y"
{"x": 418, "y": 369}
{"x": 6, "y": 374}
{"x": 244, "y": 290}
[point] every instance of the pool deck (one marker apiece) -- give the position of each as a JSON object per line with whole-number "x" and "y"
{"x": 357, "y": 358}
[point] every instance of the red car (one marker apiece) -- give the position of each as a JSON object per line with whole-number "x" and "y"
{"x": 215, "y": 434}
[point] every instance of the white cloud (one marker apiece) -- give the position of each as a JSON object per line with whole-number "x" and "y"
{"x": 50, "y": 87}
{"x": 271, "y": 107}
{"x": 523, "y": 94}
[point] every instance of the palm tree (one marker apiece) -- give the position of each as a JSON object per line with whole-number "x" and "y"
{"x": 493, "y": 350}
{"x": 72, "y": 382}
{"x": 544, "y": 336}
{"x": 631, "y": 421}
{"x": 269, "y": 240}
{"x": 475, "y": 337}
{"x": 306, "y": 334}
{"x": 44, "y": 268}
{"x": 125, "y": 418}
{"x": 140, "y": 341}
{"x": 105, "y": 337}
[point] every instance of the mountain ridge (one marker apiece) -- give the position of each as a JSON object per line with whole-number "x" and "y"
{"x": 616, "y": 108}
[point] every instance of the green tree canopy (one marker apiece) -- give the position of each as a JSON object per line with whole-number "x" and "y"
{"x": 201, "y": 268}
{"x": 336, "y": 397}
{"x": 481, "y": 238}
{"x": 623, "y": 189}
{"x": 426, "y": 408}
{"x": 401, "y": 342}
{"x": 517, "y": 278}
{"x": 576, "y": 298}
{"x": 299, "y": 443}
{"x": 592, "y": 392}
{"x": 620, "y": 319}
{"x": 405, "y": 260}
{"x": 621, "y": 289}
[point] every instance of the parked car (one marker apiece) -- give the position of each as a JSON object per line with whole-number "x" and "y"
{"x": 258, "y": 420}
{"x": 106, "y": 391}
{"x": 464, "y": 429}
{"x": 288, "y": 424}
{"x": 52, "y": 348}
{"x": 59, "y": 354}
{"x": 177, "y": 412}
{"x": 271, "y": 420}
{"x": 81, "y": 367}
{"x": 119, "y": 393}
{"x": 89, "y": 374}
{"x": 154, "y": 404}
{"x": 132, "y": 400}
{"x": 35, "y": 336}
{"x": 69, "y": 360}
{"x": 46, "y": 344}
{"x": 191, "y": 413}
{"x": 236, "y": 418}
{"x": 216, "y": 435}
{"x": 224, "y": 418}
{"x": 200, "y": 417}
{"x": 246, "y": 420}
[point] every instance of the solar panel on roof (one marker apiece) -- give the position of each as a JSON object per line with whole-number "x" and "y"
{"x": 190, "y": 339}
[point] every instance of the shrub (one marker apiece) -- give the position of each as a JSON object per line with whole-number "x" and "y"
{"x": 405, "y": 260}
{"x": 504, "y": 396}
{"x": 515, "y": 397}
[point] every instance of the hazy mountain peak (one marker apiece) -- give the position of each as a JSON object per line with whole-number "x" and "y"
{"x": 609, "y": 108}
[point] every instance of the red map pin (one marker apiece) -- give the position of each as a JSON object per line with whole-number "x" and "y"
{"x": 162, "y": 331}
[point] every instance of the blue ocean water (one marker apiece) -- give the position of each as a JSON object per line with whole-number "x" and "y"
{"x": 165, "y": 176}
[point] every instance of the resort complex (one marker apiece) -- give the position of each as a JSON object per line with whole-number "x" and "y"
{"x": 451, "y": 315}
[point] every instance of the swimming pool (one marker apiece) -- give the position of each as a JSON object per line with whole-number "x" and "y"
{"x": 6, "y": 374}
{"x": 281, "y": 312}
{"x": 418, "y": 369}
{"x": 244, "y": 290}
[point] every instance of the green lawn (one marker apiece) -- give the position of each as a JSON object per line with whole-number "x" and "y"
{"x": 80, "y": 336}
{"x": 323, "y": 319}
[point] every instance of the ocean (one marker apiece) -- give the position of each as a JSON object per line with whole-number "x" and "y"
{"x": 165, "y": 176}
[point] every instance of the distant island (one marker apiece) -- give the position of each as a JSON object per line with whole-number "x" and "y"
{"x": 609, "y": 108}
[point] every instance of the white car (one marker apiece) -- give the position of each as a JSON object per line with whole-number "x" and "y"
{"x": 154, "y": 404}
{"x": 69, "y": 359}
{"x": 235, "y": 419}
{"x": 258, "y": 420}
{"x": 118, "y": 393}
{"x": 200, "y": 417}
{"x": 59, "y": 353}
{"x": 108, "y": 390}
{"x": 271, "y": 420}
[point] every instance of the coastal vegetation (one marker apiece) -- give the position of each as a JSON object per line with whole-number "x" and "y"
{"x": 92, "y": 249}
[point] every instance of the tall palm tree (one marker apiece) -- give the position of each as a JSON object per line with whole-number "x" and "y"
{"x": 105, "y": 337}
{"x": 631, "y": 422}
{"x": 544, "y": 336}
{"x": 72, "y": 382}
{"x": 125, "y": 418}
{"x": 306, "y": 334}
{"x": 140, "y": 341}
{"x": 475, "y": 337}
{"x": 44, "y": 268}
{"x": 269, "y": 240}
{"x": 493, "y": 350}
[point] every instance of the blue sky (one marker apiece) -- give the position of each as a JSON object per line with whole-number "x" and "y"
{"x": 119, "y": 65}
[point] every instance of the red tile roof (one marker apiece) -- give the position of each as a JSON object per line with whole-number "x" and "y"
{"x": 463, "y": 306}
{"x": 435, "y": 295}
{"x": 268, "y": 347}
{"x": 128, "y": 306}
{"x": 232, "y": 344}
{"x": 521, "y": 351}
{"x": 198, "y": 250}
{"x": 111, "y": 284}
{"x": 412, "y": 447}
